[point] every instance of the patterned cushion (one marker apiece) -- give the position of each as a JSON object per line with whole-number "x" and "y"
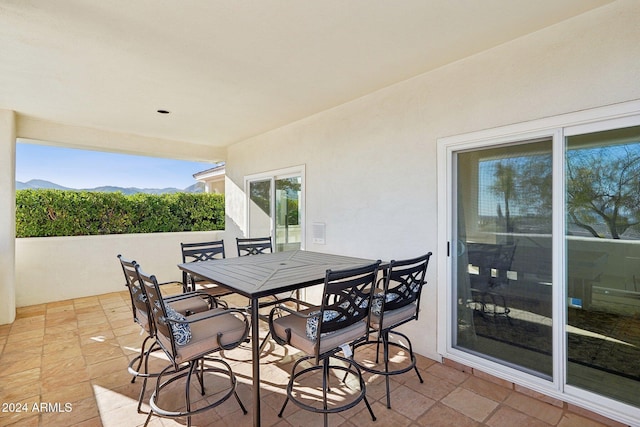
{"x": 181, "y": 331}
{"x": 312, "y": 321}
{"x": 376, "y": 306}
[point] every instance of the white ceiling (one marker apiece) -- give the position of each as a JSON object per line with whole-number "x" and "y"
{"x": 230, "y": 69}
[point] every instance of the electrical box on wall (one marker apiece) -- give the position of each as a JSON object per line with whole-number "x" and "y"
{"x": 319, "y": 230}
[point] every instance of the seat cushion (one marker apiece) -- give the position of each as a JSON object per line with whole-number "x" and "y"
{"x": 393, "y": 317}
{"x": 328, "y": 341}
{"x": 204, "y": 335}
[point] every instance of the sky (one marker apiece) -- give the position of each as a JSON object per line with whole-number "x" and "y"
{"x": 79, "y": 169}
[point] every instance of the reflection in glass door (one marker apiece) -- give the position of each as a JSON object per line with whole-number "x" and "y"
{"x": 275, "y": 209}
{"x": 603, "y": 263}
{"x": 260, "y": 208}
{"x": 504, "y": 255}
{"x": 288, "y": 233}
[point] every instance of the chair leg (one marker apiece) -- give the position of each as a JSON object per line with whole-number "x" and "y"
{"x": 385, "y": 349}
{"x": 284, "y": 405}
{"x": 199, "y": 373}
{"x": 133, "y": 377}
{"x": 244, "y": 410}
{"x": 265, "y": 341}
{"x": 142, "y": 355}
{"x": 325, "y": 386}
{"x": 146, "y": 377}
{"x": 193, "y": 367}
{"x": 290, "y": 385}
{"x": 413, "y": 360}
{"x": 145, "y": 374}
{"x": 362, "y": 386}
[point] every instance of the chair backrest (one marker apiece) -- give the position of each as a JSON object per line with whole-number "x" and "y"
{"x": 346, "y": 298}
{"x": 403, "y": 283}
{"x": 139, "y": 301}
{"x": 201, "y": 251}
{"x": 158, "y": 312}
{"x": 253, "y": 246}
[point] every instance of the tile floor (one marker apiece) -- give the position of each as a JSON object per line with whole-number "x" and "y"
{"x": 72, "y": 356}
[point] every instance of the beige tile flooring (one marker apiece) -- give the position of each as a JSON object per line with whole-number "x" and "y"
{"x": 76, "y": 352}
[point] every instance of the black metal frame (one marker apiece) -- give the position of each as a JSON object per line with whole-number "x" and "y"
{"x": 349, "y": 293}
{"x": 405, "y": 279}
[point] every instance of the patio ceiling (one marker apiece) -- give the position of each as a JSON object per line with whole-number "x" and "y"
{"x": 227, "y": 70}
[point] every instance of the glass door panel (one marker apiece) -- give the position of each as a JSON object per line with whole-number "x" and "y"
{"x": 603, "y": 263}
{"x": 504, "y": 255}
{"x": 288, "y": 235}
{"x": 260, "y": 196}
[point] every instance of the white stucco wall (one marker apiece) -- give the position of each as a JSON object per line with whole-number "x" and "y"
{"x": 7, "y": 216}
{"x": 371, "y": 163}
{"x": 59, "y": 268}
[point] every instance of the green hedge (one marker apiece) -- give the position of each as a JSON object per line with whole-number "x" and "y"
{"x": 44, "y": 213}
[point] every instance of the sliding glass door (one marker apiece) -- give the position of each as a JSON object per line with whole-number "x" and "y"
{"x": 504, "y": 253}
{"x": 543, "y": 231}
{"x": 603, "y": 262}
{"x": 275, "y": 208}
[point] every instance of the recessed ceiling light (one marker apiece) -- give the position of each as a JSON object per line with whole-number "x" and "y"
{"x": 163, "y": 111}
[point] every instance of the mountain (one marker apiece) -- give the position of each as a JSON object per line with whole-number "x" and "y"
{"x": 40, "y": 183}
{"x": 198, "y": 187}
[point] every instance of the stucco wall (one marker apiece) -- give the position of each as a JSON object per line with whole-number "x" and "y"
{"x": 7, "y": 215}
{"x": 58, "y": 268}
{"x": 371, "y": 163}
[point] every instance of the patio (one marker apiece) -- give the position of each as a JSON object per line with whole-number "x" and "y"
{"x": 76, "y": 351}
{"x": 362, "y": 102}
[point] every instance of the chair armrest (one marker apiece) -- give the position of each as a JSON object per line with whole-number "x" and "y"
{"x": 295, "y": 312}
{"x": 209, "y": 314}
{"x": 187, "y": 295}
{"x": 174, "y": 282}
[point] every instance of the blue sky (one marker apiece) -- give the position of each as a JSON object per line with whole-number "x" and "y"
{"x": 88, "y": 169}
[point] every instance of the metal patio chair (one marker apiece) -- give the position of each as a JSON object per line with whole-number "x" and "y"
{"x": 203, "y": 251}
{"x": 322, "y": 332}
{"x": 190, "y": 344}
{"x": 185, "y": 304}
{"x": 254, "y": 245}
{"x": 397, "y": 304}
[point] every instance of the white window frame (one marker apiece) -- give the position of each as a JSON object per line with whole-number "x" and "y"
{"x": 558, "y": 127}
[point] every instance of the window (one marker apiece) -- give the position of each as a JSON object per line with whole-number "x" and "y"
{"x": 543, "y": 275}
{"x": 275, "y": 207}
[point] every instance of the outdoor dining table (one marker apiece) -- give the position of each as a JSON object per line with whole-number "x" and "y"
{"x": 264, "y": 275}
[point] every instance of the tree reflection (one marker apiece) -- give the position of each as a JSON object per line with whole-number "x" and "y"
{"x": 602, "y": 189}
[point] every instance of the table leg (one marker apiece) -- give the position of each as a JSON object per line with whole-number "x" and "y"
{"x": 255, "y": 360}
